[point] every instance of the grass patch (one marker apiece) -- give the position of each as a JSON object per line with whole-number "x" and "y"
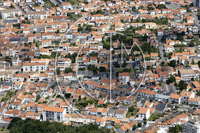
{"x": 4, "y": 130}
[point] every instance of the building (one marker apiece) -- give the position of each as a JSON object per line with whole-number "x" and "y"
{"x": 144, "y": 113}
{"x": 175, "y": 98}
{"x": 10, "y": 13}
{"x": 187, "y": 74}
{"x": 37, "y": 15}
{"x": 192, "y": 126}
{"x": 124, "y": 78}
{"x": 196, "y": 3}
{"x": 53, "y": 114}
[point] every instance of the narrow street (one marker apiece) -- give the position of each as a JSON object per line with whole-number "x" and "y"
{"x": 161, "y": 48}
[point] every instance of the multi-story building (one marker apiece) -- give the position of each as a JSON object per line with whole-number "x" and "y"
{"x": 53, "y": 114}
{"x": 124, "y": 78}
{"x": 192, "y": 126}
{"x": 187, "y": 74}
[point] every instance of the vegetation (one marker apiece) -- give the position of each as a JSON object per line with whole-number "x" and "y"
{"x": 72, "y": 57}
{"x": 154, "y": 116}
{"x": 169, "y": 55}
{"x": 72, "y": 16}
{"x": 172, "y": 63}
{"x": 156, "y": 20}
{"x": 97, "y": 12}
{"x": 68, "y": 70}
{"x": 182, "y": 85}
{"x": 37, "y": 98}
{"x": 49, "y": 3}
{"x": 67, "y": 95}
{"x": 8, "y": 96}
{"x": 17, "y": 25}
{"x": 131, "y": 111}
{"x": 171, "y": 79}
{"x": 73, "y": 2}
{"x": 176, "y": 129}
{"x": 82, "y": 103}
{"x": 161, "y": 6}
{"x": 11, "y": 6}
{"x": 18, "y": 125}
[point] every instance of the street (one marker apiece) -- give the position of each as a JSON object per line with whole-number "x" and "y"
{"x": 161, "y": 49}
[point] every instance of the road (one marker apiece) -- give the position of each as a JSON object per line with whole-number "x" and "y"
{"x": 20, "y": 8}
{"x": 161, "y": 48}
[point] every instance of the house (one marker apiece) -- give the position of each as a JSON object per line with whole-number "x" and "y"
{"x": 185, "y": 96}
{"x": 175, "y": 98}
{"x": 146, "y": 93}
{"x": 124, "y": 78}
{"x": 125, "y": 99}
{"x": 161, "y": 97}
{"x": 160, "y": 32}
{"x": 93, "y": 60}
{"x": 143, "y": 114}
{"x": 119, "y": 113}
{"x": 67, "y": 6}
{"x": 194, "y": 101}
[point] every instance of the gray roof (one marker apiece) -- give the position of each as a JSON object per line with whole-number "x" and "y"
{"x": 111, "y": 111}
{"x": 7, "y": 84}
{"x": 160, "y": 107}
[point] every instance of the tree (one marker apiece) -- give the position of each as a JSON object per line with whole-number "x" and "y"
{"x": 198, "y": 64}
{"x": 57, "y": 32}
{"x": 102, "y": 69}
{"x": 176, "y": 129}
{"x": 134, "y": 127}
{"x": 171, "y": 79}
{"x": 67, "y": 95}
{"x": 17, "y": 125}
{"x": 37, "y": 98}
{"x": 11, "y": 6}
{"x": 172, "y": 63}
{"x": 182, "y": 85}
{"x": 149, "y": 68}
{"x": 68, "y": 70}
{"x": 124, "y": 64}
{"x": 131, "y": 109}
{"x": 79, "y": 98}
{"x": 191, "y": 44}
{"x": 169, "y": 55}
{"x": 139, "y": 124}
{"x": 58, "y": 71}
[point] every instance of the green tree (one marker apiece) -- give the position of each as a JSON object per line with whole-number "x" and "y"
{"x": 198, "y": 64}
{"x": 191, "y": 44}
{"x": 182, "y": 85}
{"x": 139, "y": 124}
{"x": 58, "y": 71}
{"x": 172, "y": 63}
{"x": 171, "y": 79}
{"x": 68, "y": 70}
{"x": 37, "y": 98}
{"x": 67, "y": 95}
{"x": 131, "y": 109}
{"x": 134, "y": 127}
{"x": 11, "y": 6}
{"x": 102, "y": 69}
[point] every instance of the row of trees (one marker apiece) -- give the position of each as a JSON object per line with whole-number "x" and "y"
{"x": 18, "y": 125}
